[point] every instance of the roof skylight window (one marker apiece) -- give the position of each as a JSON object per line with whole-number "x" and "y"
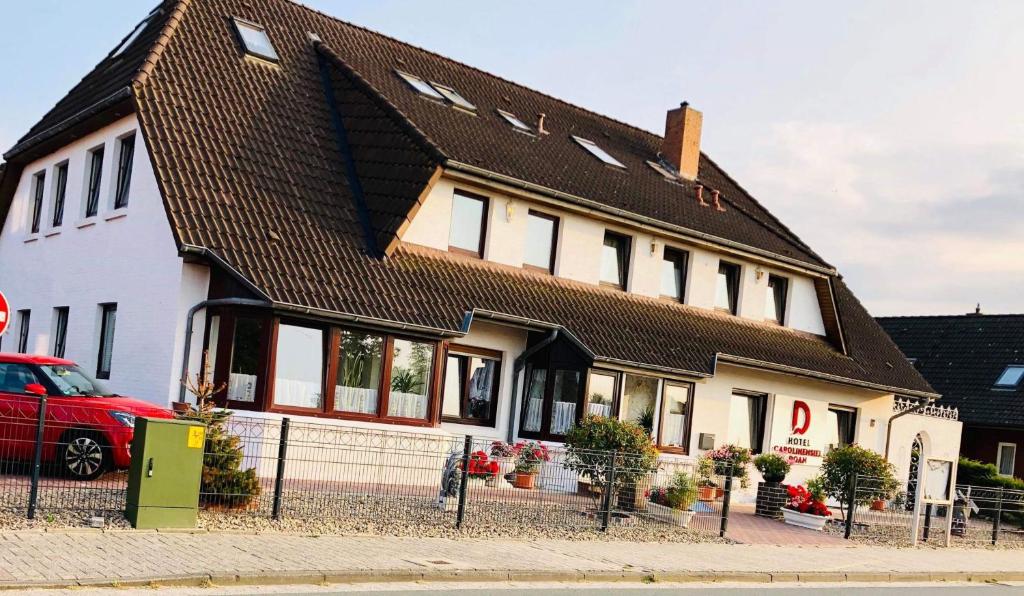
{"x": 514, "y": 121}
{"x": 255, "y": 40}
{"x": 136, "y": 32}
{"x": 1011, "y": 377}
{"x": 657, "y": 167}
{"x": 598, "y": 152}
{"x": 420, "y": 85}
{"x": 453, "y": 96}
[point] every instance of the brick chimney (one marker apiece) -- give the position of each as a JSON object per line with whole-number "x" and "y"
{"x": 681, "y": 145}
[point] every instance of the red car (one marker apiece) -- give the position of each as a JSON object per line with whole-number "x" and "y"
{"x": 88, "y": 430}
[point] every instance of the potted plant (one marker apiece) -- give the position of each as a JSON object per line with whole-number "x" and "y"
{"x": 592, "y": 445}
{"x": 707, "y": 488}
{"x": 673, "y": 503}
{"x": 504, "y": 454}
{"x": 530, "y": 455}
{"x": 771, "y": 494}
{"x": 731, "y": 460}
{"x": 482, "y": 469}
{"x": 806, "y": 507}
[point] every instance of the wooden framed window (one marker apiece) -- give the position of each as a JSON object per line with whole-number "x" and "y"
{"x": 602, "y": 392}
{"x": 639, "y": 401}
{"x": 299, "y": 357}
{"x": 105, "y": 355}
{"x": 775, "y": 301}
{"x": 468, "y": 224}
{"x": 60, "y": 331}
{"x": 673, "y": 274}
{"x": 676, "y": 417}
{"x": 38, "y": 182}
{"x": 727, "y": 287}
{"x": 747, "y": 419}
{"x": 552, "y": 403}
{"x": 360, "y": 370}
{"x": 541, "y": 241}
{"x": 125, "y": 158}
{"x": 471, "y": 380}
{"x": 92, "y": 188}
{"x": 615, "y": 259}
{"x": 60, "y": 187}
{"x": 237, "y": 355}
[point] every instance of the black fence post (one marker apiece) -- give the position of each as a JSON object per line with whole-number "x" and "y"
{"x": 37, "y": 458}
{"x": 464, "y": 483}
{"x": 282, "y": 456}
{"x": 851, "y": 506}
{"x": 609, "y": 488}
{"x": 726, "y": 498}
{"x": 927, "y": 522}
{"x": 996, "y": 518}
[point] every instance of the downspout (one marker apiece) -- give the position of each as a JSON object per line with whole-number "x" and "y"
{"x": 517, "y": 366}
{"x": 888, "y": 430}
{"x": 190, "y": 318}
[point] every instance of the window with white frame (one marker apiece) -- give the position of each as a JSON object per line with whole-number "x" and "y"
{"x": 1006, "y": 458}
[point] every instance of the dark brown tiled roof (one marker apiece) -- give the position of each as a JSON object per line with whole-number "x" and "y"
{"x": 252, "y": 168}
{"x": 962, "y": 357}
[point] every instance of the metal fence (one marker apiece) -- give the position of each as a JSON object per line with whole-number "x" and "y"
{"x": 57, "y": 458}
{"x": 349, "y": 478}
{"x": 980, "y": 515}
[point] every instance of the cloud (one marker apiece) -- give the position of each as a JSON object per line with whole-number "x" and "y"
{"x": 916, "y": 228}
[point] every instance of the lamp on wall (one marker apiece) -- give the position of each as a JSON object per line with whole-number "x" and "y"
{"x": 510, "y": 210}
{"x": 654, "y": 246}
{"x": 758, "y": 273}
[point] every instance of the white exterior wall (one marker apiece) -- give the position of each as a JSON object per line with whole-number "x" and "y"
{"x": 126, "y": 256}
{"x": 940, "y": 438}
{"x": 578, "y": 255}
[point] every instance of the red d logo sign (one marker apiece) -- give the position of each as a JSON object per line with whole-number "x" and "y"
{"x": 800, "y": 427}
{"x": 5, "y": 313}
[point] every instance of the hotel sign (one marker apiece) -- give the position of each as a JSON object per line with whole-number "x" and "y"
{"x": 798, "y": 429}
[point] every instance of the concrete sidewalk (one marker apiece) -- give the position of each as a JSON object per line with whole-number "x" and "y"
{"x": 62, "y": 559}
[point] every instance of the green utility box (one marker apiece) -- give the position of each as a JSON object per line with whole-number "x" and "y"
{"x": 166, "y": 468}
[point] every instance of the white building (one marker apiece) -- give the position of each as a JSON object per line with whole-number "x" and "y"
{"x": 391, "y": 238}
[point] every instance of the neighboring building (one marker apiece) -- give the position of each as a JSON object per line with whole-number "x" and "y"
{"x": 393, "y": 238}
{"x": 977, "y": 362}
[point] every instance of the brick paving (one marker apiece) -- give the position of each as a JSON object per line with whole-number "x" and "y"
{"x": 747, "y": 528}
{"x": 125, "y": 557}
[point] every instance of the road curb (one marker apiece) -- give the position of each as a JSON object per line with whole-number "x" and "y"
{"x": 318, "y": 577}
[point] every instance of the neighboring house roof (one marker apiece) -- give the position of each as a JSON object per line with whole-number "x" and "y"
{"x": 962, "y": 357}
{"x": 295, "y": 175}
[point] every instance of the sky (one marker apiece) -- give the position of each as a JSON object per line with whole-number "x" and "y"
{"x": 888, "y": 135}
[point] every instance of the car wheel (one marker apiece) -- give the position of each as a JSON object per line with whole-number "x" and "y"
{"x": 83, "y": 455}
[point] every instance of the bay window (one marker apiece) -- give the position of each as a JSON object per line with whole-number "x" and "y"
{"x": 360, "y": 369}
{"x": 471, "y": 378}
{"x": 299, "y": 367}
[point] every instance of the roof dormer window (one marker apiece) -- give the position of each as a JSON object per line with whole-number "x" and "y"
{"x": 136, "y": 32}
{"x": 598, "y": 152}
{"x": 514, "y": 121}
{"x": 420, "y": 85}
{"x": 255, "y": 40}
{"x": 659, "y": 168}
{"x": 453, "y": 96}
{"x": 1011, "y": 377}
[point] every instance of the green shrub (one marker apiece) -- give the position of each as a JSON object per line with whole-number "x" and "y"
{"x": 590, "y": 444}
{"x": 680, "y": 494}
{"x": 772, "y": 466}
{"x": 976, "y": 473}
{"x": 841, "y": 463}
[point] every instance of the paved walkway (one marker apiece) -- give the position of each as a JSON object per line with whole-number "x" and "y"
{"x": 748, "y": 528}
{"x": 141, "y": 558}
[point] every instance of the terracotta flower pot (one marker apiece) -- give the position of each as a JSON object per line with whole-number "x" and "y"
{"x": 706, "y": 493}
{"x": 878, "y": 505}
{"x": 525, "y": 480}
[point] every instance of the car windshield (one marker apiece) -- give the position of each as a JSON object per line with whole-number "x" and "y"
{"x": 70, "y": 379}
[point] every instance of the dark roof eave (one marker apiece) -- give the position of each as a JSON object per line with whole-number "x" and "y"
{"x": 801, "y": 372}
{"x": 113, "y": 99}
{"x": 596, "y": 206}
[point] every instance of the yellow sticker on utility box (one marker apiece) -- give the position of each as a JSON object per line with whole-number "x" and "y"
{"x": 196, "y": 437}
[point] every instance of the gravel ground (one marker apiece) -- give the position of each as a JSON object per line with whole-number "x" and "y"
{"x": 345, "y": 514}
{"x": 60, "y": 520}
{"x": 897, "y": 536}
